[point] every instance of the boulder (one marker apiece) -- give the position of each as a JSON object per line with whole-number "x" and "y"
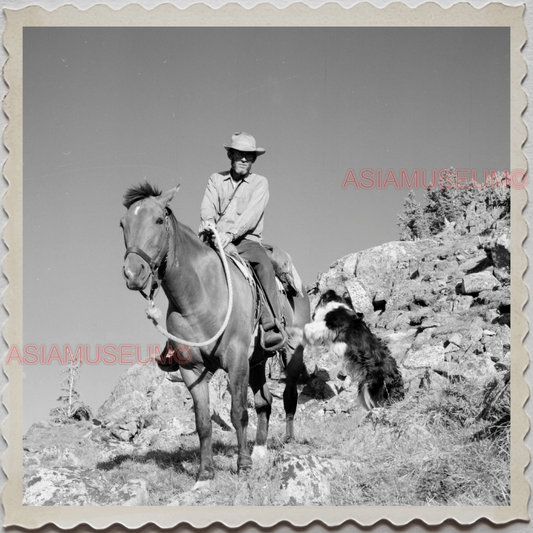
{"x": 425, "y": 357}
{"x": 340, "y": 279}
{"x": 462, "y": 303}
{"x": 475, "y": 283}
{"x": 473, "y": 263}
{"x": 305, "y": 479}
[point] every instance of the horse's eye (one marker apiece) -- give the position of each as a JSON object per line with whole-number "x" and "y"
{"x": 159, "y": 220}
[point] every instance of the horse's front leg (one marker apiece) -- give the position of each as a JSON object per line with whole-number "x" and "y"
{"x": 263, "y": 406}
{"x": 238, "y": 385}
{"x": 197, "y": 381}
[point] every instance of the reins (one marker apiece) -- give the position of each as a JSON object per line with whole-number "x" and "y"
{"x": 155, "y": 314}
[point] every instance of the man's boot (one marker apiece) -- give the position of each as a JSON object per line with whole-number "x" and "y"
{"x": 274, "y": 336}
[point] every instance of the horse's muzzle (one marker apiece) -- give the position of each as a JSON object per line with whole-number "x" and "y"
{"x": 136, "y": 273}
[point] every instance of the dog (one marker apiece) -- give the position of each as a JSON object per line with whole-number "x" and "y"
{"x": 367, "y": 358}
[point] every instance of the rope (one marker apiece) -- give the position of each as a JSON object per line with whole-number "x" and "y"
{"x": 155, "y": 314}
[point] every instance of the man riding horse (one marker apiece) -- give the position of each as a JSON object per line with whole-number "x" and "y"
{"x": 211, "y": 306}
{"x": 235, "y": 202}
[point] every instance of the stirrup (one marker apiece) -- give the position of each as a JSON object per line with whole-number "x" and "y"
{"x": 276, "y": 347}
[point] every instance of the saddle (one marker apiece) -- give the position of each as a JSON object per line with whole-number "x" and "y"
{"x": 287, "y": 276}
{"x": 288, "y": 284}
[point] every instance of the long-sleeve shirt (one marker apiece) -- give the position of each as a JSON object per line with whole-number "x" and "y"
{"x": 245, "y": 214}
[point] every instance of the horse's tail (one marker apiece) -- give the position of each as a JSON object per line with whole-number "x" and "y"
{"x": 296, "y": 343}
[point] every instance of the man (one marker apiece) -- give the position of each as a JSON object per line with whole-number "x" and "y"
{"x": 235, "y": 202}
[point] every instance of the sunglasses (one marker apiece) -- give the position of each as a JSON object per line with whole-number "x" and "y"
{"x": 249, "y": 156}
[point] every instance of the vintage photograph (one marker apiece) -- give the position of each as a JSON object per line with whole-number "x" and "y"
{"x": 267, "y": 266}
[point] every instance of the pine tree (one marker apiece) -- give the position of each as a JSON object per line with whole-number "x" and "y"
{"x": 446, "y": 202}
{"x": 467, "y": 209}
{"x": 412, "y": 222}
{"x": 71, "y": 407}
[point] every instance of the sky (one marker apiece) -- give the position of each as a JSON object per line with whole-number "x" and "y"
{"x": 107, "y": 108}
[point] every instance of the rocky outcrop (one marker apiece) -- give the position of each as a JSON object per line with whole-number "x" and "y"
{"x": 442, "y": 304}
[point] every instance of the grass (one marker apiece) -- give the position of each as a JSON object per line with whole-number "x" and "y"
{"x": 431, "y": 449}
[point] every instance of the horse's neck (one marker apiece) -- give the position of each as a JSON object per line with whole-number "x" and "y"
{"x": 188, "y": 262}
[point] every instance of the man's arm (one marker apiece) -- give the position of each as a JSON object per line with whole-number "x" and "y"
{"x": 210, "y": 204}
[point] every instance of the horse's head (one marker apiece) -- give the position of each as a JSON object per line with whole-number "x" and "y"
{"x": 146, "y": 227}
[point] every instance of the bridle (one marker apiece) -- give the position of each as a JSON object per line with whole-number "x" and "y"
{"x": 154, "y": 263}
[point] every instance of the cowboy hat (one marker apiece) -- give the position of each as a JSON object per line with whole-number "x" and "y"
{"x": 244, "y": 142}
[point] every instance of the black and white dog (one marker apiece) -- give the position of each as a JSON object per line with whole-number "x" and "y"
{"x": 367, "y": 359}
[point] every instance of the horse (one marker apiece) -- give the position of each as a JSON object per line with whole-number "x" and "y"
{"x": 193, "y": 278}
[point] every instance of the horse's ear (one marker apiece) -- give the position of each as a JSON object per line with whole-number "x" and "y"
{"x": 166, "y": 197}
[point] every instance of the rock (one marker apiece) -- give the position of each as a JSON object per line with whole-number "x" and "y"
{"x": 502, "y": 275}
{"x": 133, "y": 493}
{"x": 305, "y": 479}
{"x": 505, "y": 333}
{"x": 80, "y": 486}
{"x": 422, "y": 339}
{"x": 462, "y": 303}
{"x": 469, "y": 366}
{"x": 500, "y": 251}
{"x": 340, "y": 279}
{"x": 400, "y": 342}
{"x": 474, "y": 262}
{"x": 475, "y": 283}
{"x": 493, "y": 346}
{"x": 456, "y": 339}
{"x": 427, "y": 357}
{"x": 121, "y": 434}
{"x": 347, "y": 401}
{"x": 359, "y": 296}
{"x": 475, "y": 331}
{"x": 491, "y": 315}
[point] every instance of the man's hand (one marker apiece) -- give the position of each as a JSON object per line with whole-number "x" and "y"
{"x": 225, "y": 239}
{"x": 206, "y": 226}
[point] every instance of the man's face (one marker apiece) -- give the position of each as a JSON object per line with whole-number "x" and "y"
{"x": 241, "y": 162}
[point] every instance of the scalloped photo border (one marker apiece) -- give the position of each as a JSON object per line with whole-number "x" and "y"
{"x": 396, "y": 14}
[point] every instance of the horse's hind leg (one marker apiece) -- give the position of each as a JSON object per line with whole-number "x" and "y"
{"x": 263, "y": 405}
{"x": 293, "y": 370}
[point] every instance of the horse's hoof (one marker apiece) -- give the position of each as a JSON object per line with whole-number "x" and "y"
{"x": 173, "y": 367}
{"x": 201, "y": 485}
{"x": 206, "y": 474}
{"x": 193, "y": 496}
{"x": 260, "y": 453}
{"x": 244, "y": 465}
{"x": 289, "y": 439}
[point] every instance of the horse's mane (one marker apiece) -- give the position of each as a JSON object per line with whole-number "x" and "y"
{"x": 139, "y": 192}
